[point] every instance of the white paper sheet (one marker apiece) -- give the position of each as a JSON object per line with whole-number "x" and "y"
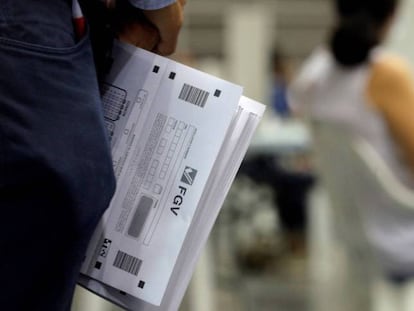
{"x": 174, "y": 131}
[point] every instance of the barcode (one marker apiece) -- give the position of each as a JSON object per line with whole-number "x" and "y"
{"x": 127, "y": 263}
{"x": 193, "y": 95}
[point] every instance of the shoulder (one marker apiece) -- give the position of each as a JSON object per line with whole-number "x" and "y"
{"x": 311, "y": 70}
{"x": 390, "y": 68}
{"x": 315, "y": 63}
{"x": 305, "y": 81}
{"x": 390, "y": 76}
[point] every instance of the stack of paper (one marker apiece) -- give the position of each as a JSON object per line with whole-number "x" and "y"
{"x": 178, "y": 137}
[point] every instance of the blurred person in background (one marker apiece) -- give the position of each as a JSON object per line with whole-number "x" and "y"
{"x": 290, "y": 176}
{"x": 354, "y": 82}
{"x": 280, "y": 80}
{"x": 291, "y": 185}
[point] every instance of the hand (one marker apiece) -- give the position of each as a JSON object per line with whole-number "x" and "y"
{"x": 153, "y": 30}
{"x": 140, "y": 33}
{"x": 168, "y": 22}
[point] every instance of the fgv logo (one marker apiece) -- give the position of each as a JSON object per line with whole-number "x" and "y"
{"x": 189, "y": 175}
{"x": 187, "y": 178}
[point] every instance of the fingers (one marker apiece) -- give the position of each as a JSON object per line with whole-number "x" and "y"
{"x": 168, "y": 22}
{"x": 141, "y": 34}
{"x": 153, "y": 30}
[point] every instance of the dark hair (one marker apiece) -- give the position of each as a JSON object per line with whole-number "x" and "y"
{"x": 358, "y": 30}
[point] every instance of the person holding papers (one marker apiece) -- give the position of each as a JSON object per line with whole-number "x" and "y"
{"x": 354, "y": 83}
{"x": 135, "y": 22}
{"x": 56, "y": 176}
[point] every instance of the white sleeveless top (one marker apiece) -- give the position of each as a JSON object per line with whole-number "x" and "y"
{"x": 327, "y": 92}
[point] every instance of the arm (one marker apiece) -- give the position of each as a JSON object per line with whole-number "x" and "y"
{"x": 391, "y": 90}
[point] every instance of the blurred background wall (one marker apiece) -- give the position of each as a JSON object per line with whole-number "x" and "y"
{"x": 238, "y": 35}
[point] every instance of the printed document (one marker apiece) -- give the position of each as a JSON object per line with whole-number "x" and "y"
{"x": 178, "y": 136}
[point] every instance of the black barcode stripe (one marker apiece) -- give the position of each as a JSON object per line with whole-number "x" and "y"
{"x": 127, "y": 263}
{"x": 193, "y": 95}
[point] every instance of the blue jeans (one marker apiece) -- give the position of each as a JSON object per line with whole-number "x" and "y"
{"x": 56, "y": 175}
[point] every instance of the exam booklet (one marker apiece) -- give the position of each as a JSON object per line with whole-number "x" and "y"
{"x": 178, "y": 136}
